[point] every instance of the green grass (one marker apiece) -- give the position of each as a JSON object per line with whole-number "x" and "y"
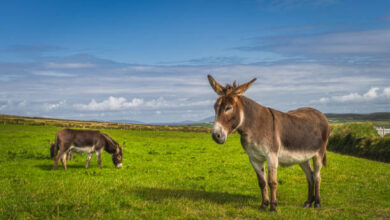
{"x": 179, "y": 175}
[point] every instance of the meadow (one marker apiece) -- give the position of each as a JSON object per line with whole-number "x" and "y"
{"x": 172, "y": 174}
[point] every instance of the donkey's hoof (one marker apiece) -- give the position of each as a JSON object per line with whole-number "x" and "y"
{"x": 264, "y": 205}
{"x": 273, "y": 206}
{"x": 307, "y": 204}
{"x": 317, "y": 205}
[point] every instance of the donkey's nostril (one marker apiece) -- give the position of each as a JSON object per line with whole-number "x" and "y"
{"x": 219, "y": 137}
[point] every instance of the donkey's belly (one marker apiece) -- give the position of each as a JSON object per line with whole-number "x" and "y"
{"x": 288, "y": 158}
{"x": 82, "y": 150}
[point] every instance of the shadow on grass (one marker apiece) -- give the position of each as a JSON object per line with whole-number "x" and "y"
{"x": 159, "y": 194}
{"x": 49, "y": 166}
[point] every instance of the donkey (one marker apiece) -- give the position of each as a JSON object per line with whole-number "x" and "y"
{"x": 86, "y": 141}
{"x": 54, "y": 152}
{"x": 269, "y": 135}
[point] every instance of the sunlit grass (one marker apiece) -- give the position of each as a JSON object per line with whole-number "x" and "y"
{"x": 174, "y": 175}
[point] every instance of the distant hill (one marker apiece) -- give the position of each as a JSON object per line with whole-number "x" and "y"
{"x": 187, "y": 122}
{"x": 378, "y": 116}
{"x": 128, "y": 121}
{"x": 22, "y": 120}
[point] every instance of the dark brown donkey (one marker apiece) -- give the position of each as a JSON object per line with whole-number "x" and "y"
{"x": 269, "y": 135}
{"x": 86, "y": 141}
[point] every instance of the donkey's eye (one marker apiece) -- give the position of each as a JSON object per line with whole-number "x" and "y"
{"x": 228, "y": 108}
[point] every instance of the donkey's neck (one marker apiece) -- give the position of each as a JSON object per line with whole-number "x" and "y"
{"x": 256, "y": 117}
{"x": 110, "y": 148}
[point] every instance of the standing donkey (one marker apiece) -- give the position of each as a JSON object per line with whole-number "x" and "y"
{"x": 269, "y": 135}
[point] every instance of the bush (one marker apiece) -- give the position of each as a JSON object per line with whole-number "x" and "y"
{"x": 359, "y": 139}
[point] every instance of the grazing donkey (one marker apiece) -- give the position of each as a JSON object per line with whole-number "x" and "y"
{"x": 54, "y": 152}
{"x": 86, "y": 141}
{"x": 269, "y": 135}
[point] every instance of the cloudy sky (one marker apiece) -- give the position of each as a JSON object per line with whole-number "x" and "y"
{"x": 148, "y": 60}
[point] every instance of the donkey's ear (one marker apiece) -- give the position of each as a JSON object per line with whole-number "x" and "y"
{"x": 239, "y": 91}
{"x": 215, "y": 85}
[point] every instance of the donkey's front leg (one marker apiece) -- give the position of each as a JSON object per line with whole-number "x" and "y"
{"x": 99, "y": 158}
{"x": 262, "y": 180}
{"x": 272, "y": 180}
{"x": 88, "y": 159}
{"x": 69, "y": 156}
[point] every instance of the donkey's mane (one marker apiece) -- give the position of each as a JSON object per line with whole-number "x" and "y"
{"x": 110, "y": 140}
{"x": 229, "y": 88}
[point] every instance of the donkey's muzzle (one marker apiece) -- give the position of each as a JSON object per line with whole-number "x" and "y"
{"x": 219, "y": 137}
{"x": 218, "y": 133}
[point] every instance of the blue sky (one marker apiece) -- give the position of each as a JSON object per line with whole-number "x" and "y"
{"x": 148, "y": 60}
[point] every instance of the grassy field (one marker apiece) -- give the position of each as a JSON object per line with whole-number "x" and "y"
{"x": 170, "y": 174}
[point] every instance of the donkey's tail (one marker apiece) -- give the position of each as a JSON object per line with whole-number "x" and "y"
{"x": 324, "y": 162}
{"x": 56, "y": 145}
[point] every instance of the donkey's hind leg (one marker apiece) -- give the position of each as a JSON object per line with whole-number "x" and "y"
{"x": 63, "y": 160}
{"x": 306, "y": 167}
{"x": 272, "y": 180}
{"x": 58, "y": 157}
{"x": 317, "y": 162}
{"x": 99, "y": 158}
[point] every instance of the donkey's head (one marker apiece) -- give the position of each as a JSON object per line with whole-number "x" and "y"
{"x": 114, "y": 149}
{"x": 117, "y": 156}
{"x": 229, "y": 114}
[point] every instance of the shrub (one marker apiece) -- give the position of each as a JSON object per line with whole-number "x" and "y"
{"x": 359, "y": 139}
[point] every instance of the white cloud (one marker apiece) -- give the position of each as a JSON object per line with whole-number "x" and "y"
{"x": 157, "y": 103}
{"x": 324, "y": 100}
{"x": 13, "y": 105}
{"x": 52, "y": 73}
{"x": 121, "y": 103}
{"x": 347, "y": 98}
{"x": 386, "y": 92}
{"x": 53, "y": 106}
{"x": 68, "y": 65}
{"x": 370, "y": 95}
{"x": 139, "y": 92}
{"x": 112, "y": 103}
